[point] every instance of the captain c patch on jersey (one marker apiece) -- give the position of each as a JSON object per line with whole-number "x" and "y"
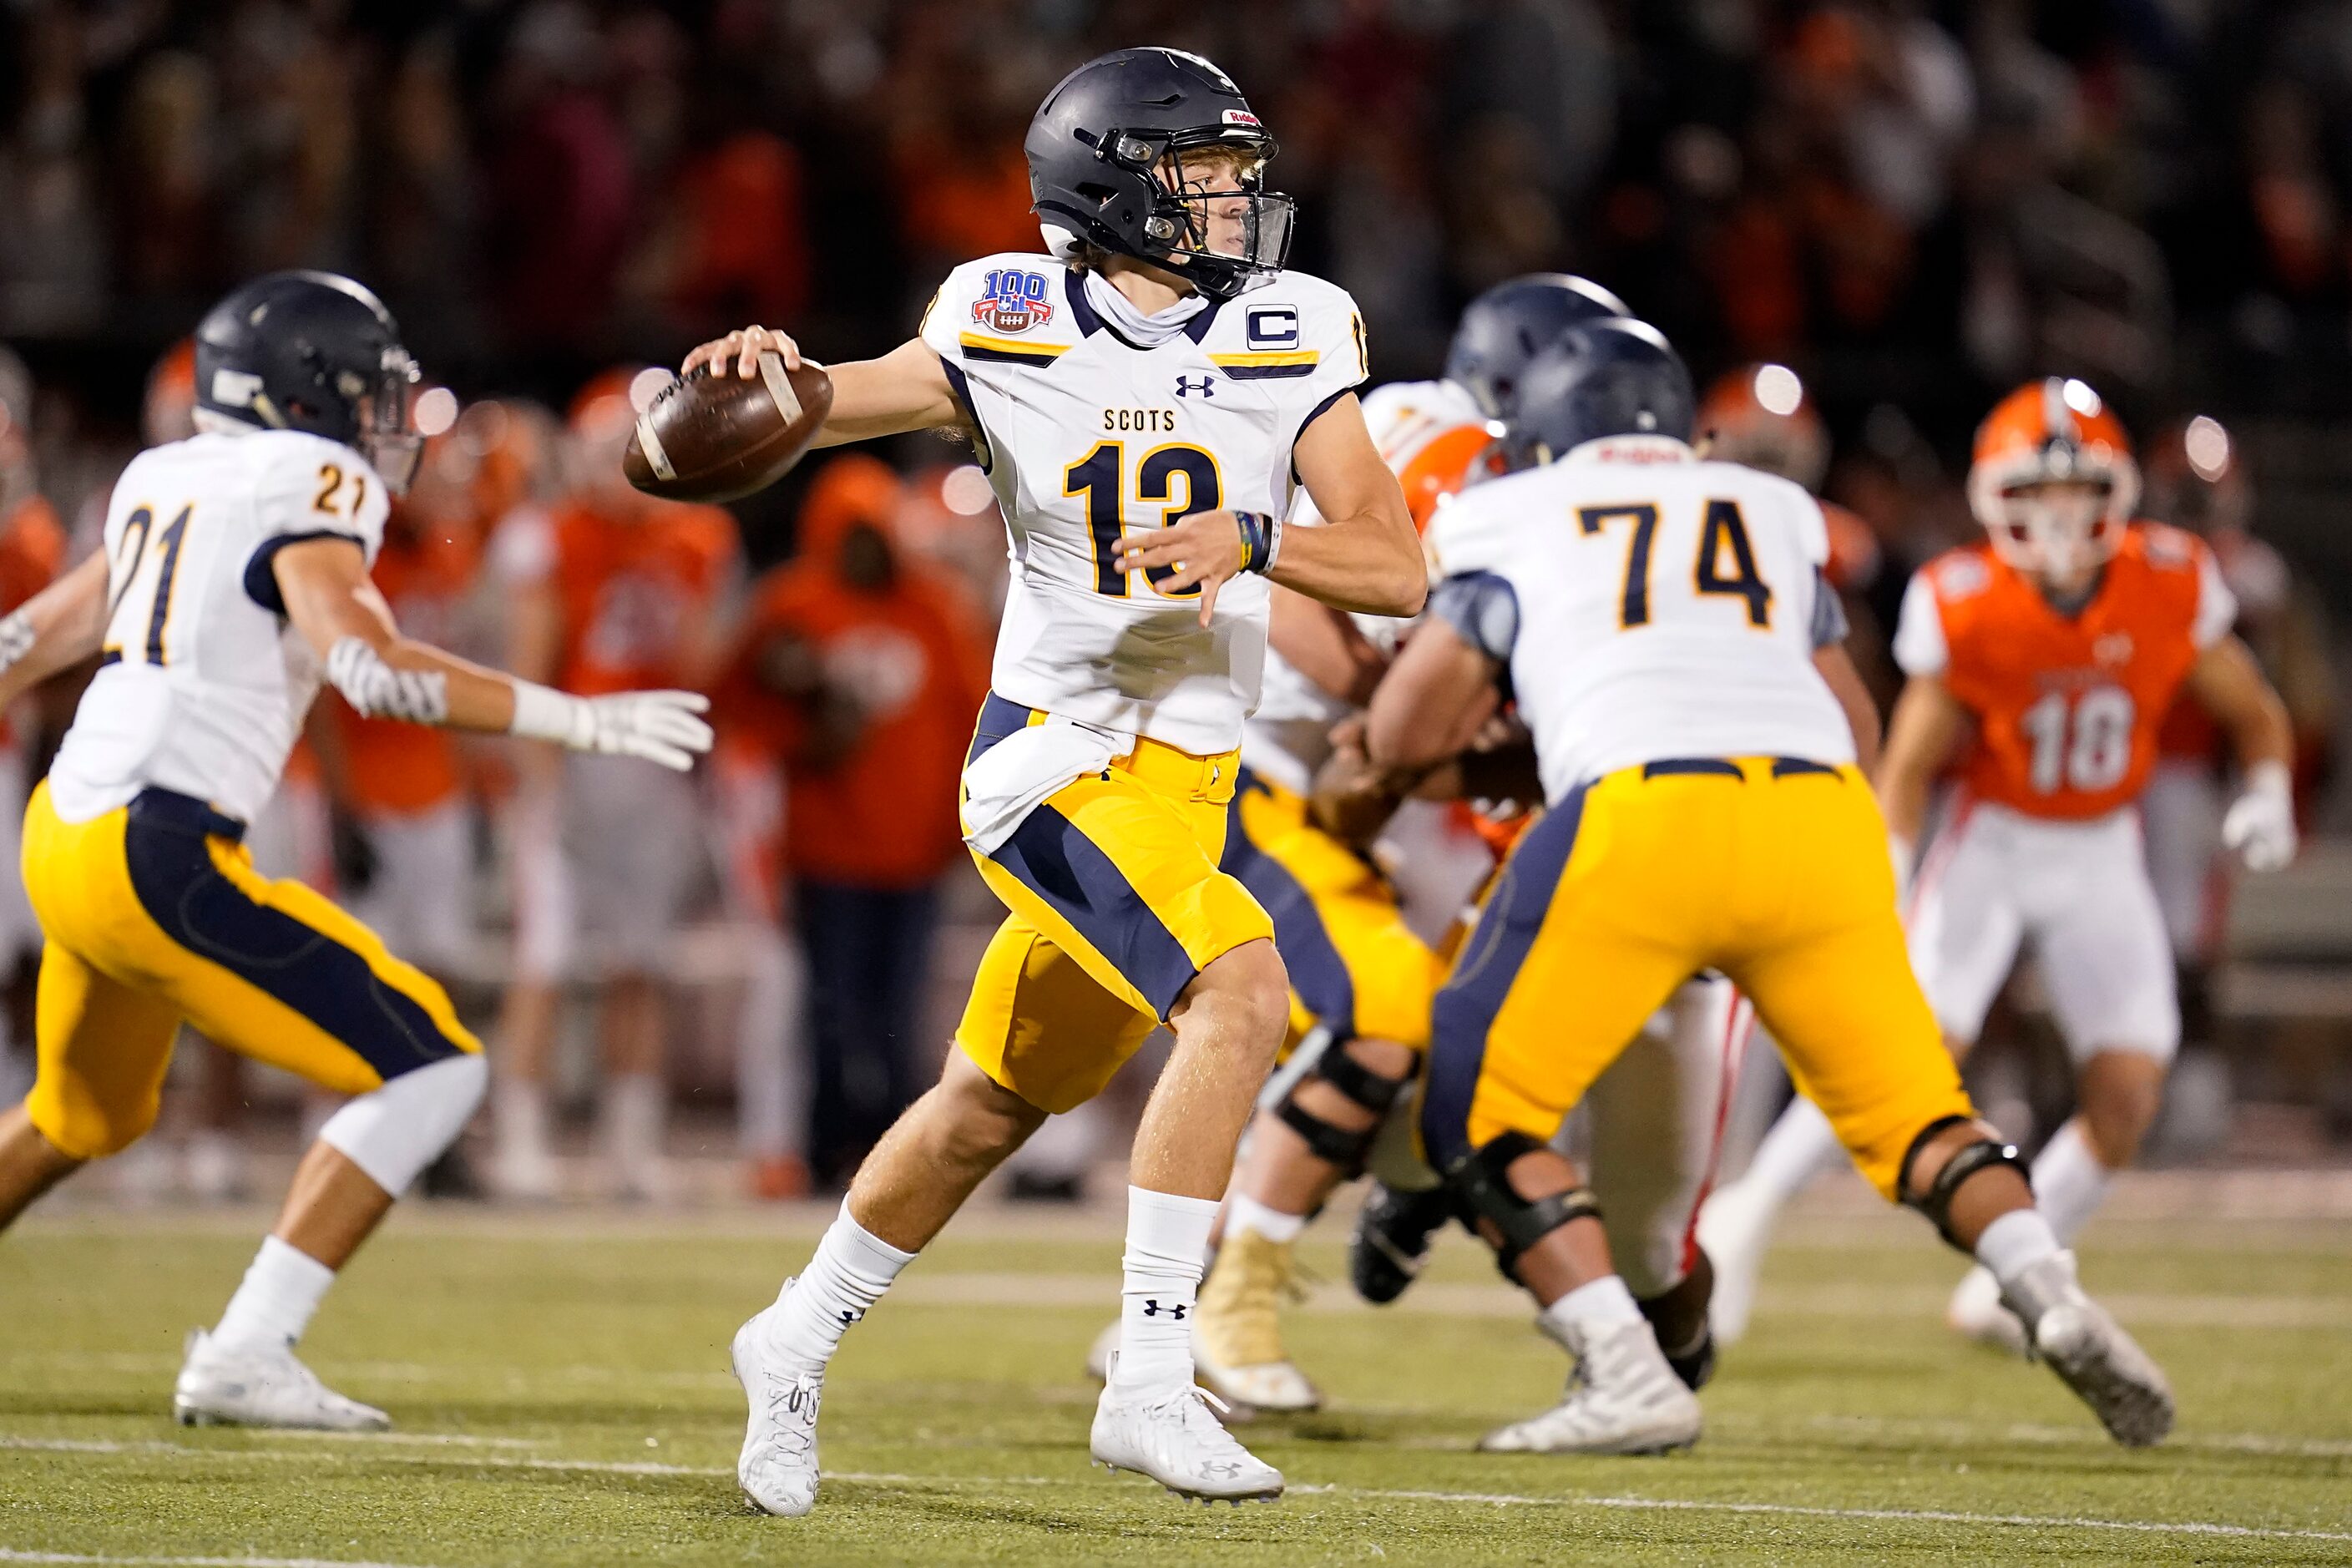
{"x": 1013, "y": 300}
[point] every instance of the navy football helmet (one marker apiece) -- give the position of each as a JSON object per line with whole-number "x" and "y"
{"x": 315, "y": 352}
{"x": 1502, "y": 328}
{"x": 1612, "y": 376}
{"x": 1102, "y": 168}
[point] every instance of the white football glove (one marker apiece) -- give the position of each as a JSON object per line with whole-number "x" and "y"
{"x": 662, "y": 727}
{"x": 2260, "y": 826}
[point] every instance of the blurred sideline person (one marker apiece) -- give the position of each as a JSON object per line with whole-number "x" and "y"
{"x": 1145, "y": 400}
{"x": 2042, "y": 662}
{"x": 859, "y": 669}
{"x": 406, "y": 791}
{"x": 32, "y": 552}
{"x": 609, "y": 591}
{"x": 772, "y": 1069}
{"x": 1675, "y": 648}
{"x": 232, "y": 583}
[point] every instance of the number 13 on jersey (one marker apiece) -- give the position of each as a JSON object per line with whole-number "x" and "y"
{"x": 1181, "y": 480}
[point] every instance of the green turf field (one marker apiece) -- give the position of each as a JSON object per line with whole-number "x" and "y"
{"x": 560, "y": 1386}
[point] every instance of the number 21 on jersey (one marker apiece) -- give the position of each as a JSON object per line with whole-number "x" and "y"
{"x": 145, "y": 566}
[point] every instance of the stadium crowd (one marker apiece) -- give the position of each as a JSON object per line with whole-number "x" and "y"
{"x": 547, "y": 191}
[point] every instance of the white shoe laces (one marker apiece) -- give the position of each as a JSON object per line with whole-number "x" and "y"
{"x": 791, "y": 1414}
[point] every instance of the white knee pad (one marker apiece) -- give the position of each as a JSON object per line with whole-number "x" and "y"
{"x": 394, "y": 1132}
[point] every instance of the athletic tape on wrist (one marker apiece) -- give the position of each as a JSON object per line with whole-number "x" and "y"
{"x": 376, "y": 690}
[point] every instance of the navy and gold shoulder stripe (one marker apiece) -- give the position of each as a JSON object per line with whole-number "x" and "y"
{"x": 1280, "y": 366}
{"x": 1008, "y": 350}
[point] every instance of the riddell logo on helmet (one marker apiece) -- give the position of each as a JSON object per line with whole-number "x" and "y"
{"x": 1243, "y": 117}
{"x": 1013, "y": 301}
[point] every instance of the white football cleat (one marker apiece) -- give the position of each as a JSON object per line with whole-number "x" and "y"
{"x": 1173, "y": 1436}
{"x": 2091, "y": 1354}
{"x": 1275, "y": 1386}
{"x": 1237, "y": 1349}
{"x": 1976, "y": 1312}
{"x": 1734, "y": 1230}
{"x": 777, "y": 1467}
{"x": 220, "y": 1385}
{"x": 1622, "y": 1398}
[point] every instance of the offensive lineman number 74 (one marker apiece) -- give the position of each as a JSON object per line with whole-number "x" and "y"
{"x": 1724, "y": 532}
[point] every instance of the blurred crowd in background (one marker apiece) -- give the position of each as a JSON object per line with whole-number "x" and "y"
{"x": 1908, "y": 204}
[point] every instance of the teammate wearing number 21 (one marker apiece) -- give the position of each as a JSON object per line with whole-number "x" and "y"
{"x": 2042, "y": 662}
{"x": 1145, "y": 400}
{"x": 232, "y": 582}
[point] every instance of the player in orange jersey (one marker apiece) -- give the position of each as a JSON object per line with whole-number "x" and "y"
{"x": 606, "y": 586}
{"x": 2043, "y": 662}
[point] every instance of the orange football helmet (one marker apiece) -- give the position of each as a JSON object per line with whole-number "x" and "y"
{"x": 1761, "y": 417}
{"x": 2054, "y": 481}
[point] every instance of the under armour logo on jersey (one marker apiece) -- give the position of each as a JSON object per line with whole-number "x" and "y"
{"x": 848, "y": 1317}
{"x": 1152, "y": 1309}
{"x": 1207, "y": 386}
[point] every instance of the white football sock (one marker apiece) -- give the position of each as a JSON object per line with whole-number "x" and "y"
{"x": 1801, "y": 1146}
{"x": 1167, "y": 1249}
{"x": 521, "y": 1118}
{"x": 1600, "y": 1303}
{"x": 273, "y": 1305}
{"x": 2069, "y": 1182}
{"x": 2015, "y": 1243}
{"x": 851, "y": 1270}
{"x": 1244, "y": 1212}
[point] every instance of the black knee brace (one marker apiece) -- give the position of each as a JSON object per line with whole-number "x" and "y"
{"x": 1936, "y": 1203}
{"x": 1482, "y": 1189}
{"x": 1341, "y": 1146}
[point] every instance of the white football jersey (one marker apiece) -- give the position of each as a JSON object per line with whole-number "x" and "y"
{"x": 1087, "y": 436}
{"x": 1289, "y": 736}
{"x": 202, "y": 684}
{"x": 1656, "y": 608}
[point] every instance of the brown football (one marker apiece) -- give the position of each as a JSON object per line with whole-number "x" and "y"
{"x": 718, "y": 438}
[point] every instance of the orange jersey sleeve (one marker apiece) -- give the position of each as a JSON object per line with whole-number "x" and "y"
{"x": 2068, "y": 708}
{"x": 1440, "y": 466}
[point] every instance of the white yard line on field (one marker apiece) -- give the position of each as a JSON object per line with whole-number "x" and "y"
{"x": 1496, "y": 1500}
{"x": 2031, "y": 1432}
{"x": 8, "y": 1555}
{"x": 1893, "y": 1515}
